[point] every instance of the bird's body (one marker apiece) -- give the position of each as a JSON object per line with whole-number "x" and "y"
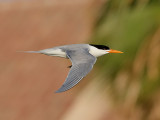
{"x": 60, "y": 51}
{"x": 82, "y": 56}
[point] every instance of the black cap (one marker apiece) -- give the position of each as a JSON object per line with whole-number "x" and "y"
{"x": 103, "y": 47}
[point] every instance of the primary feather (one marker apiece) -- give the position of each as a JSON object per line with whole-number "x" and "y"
{"x": 82, "y": 64}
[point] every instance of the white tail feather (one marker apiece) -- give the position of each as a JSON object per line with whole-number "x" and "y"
{"x": 29, "y": 51}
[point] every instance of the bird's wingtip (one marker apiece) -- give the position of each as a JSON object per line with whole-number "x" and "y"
{"x": 59, "y": 91}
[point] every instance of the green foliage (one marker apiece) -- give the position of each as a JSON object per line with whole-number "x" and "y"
{"x": 125, "y": 30}
{"x": 129, "y": 26}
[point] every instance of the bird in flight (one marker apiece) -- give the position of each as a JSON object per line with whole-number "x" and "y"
{"x": 82, "y": 56}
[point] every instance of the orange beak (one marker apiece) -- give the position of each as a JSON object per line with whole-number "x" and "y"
{"x": 114, "y": 51}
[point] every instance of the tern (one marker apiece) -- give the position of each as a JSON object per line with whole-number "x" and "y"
{"x": 82, "y": 56}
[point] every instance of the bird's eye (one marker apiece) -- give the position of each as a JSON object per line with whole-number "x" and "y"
{"x": 105, "y": 48}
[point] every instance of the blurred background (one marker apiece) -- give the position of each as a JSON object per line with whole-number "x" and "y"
{"x": 120, "y": 87}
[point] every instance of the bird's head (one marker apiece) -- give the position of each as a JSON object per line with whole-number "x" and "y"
{"x": 99, "y": 50}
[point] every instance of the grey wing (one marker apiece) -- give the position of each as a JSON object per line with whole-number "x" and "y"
{"x": 82, "y": 64}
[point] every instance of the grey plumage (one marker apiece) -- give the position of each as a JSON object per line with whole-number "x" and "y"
{"x": 82, "y": 56}
{"x": 82, "y": 64}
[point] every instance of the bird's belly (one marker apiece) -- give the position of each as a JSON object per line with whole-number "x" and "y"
{"x": 55, "y": 52}
{"x": 60, "y": 55}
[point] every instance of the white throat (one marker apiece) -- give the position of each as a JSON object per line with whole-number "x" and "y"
{"x": 97, "y": 52}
